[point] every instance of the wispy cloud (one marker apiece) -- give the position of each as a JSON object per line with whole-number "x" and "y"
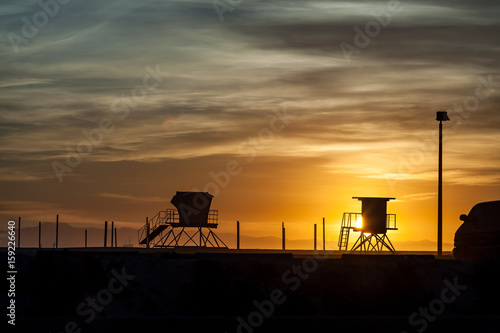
{"x": 126, "y": 197}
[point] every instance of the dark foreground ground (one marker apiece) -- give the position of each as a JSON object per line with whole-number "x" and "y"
{"x": 117, "y": 290}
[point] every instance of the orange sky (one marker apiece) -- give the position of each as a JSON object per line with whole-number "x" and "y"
{"x": 108, "y": 111}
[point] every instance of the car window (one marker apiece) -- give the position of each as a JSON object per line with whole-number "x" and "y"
{"x": 475, "y": 213}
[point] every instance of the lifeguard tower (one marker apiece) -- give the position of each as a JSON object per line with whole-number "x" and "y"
{"x": 191, "y": 224}
{"x": 373, "y": 223}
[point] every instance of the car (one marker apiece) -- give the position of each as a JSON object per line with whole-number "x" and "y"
{"x": 479, "y": 235}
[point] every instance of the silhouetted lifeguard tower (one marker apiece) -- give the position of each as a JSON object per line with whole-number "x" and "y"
{"x": 190, "y": 225}
{"x": 373, "y": 223}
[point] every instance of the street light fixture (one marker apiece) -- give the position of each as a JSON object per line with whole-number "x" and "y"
{"x": 440, "y": 116}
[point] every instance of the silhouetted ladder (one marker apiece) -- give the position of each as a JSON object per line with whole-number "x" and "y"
{"x": 158, "y": 230}
{"x": 159, "y": 223}
{"x": 348, "y": 219}
{"x": 344, "y": 239}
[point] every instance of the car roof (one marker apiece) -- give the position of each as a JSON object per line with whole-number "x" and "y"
{"x": 496, "y": 202}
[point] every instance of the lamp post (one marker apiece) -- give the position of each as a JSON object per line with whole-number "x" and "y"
{"x": 440, "y": 116}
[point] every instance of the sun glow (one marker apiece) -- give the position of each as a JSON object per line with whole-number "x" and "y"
{"x": 359, "y": 222}
{"x": 359, "y": 225}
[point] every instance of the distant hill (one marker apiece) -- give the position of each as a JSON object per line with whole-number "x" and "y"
{"x": 272, "y": 242}
{"x": 70, "y": 236}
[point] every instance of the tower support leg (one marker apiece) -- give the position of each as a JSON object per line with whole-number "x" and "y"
{"x": 373, "y": 242}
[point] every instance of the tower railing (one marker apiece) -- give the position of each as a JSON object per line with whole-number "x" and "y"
{"x": 391, "y": 222}
{"x": 348, "y": 219}
{"x": 163, "y": 217}
{"x": 164, "y": 222}
{"x": 349, "y": 223}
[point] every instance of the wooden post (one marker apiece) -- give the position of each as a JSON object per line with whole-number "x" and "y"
{"x": 112, "y": 231}
{"x": 238, "y": 235}
{"x": 39, "y": 234}
{"x": 57, "y": 231}
{"x": 323, "y": 233}
{"x": 283, "y": 234}
{"x": 19, "y": 232}
{"x": 105, "y": 233}
{"x": 147, "y": 233}
{"x": 315, "y": 239}
{"x": 116, "y": 239}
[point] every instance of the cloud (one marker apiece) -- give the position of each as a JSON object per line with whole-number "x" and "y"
{"x": 125, "y": 197}
{"x": 354, "y": 123}
{"x": 418, "y": 197}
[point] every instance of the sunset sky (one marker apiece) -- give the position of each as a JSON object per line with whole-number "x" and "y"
{"x": 308, "y": 103}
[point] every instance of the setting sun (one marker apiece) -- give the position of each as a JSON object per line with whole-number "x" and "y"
{"x": 359, "y": 222}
